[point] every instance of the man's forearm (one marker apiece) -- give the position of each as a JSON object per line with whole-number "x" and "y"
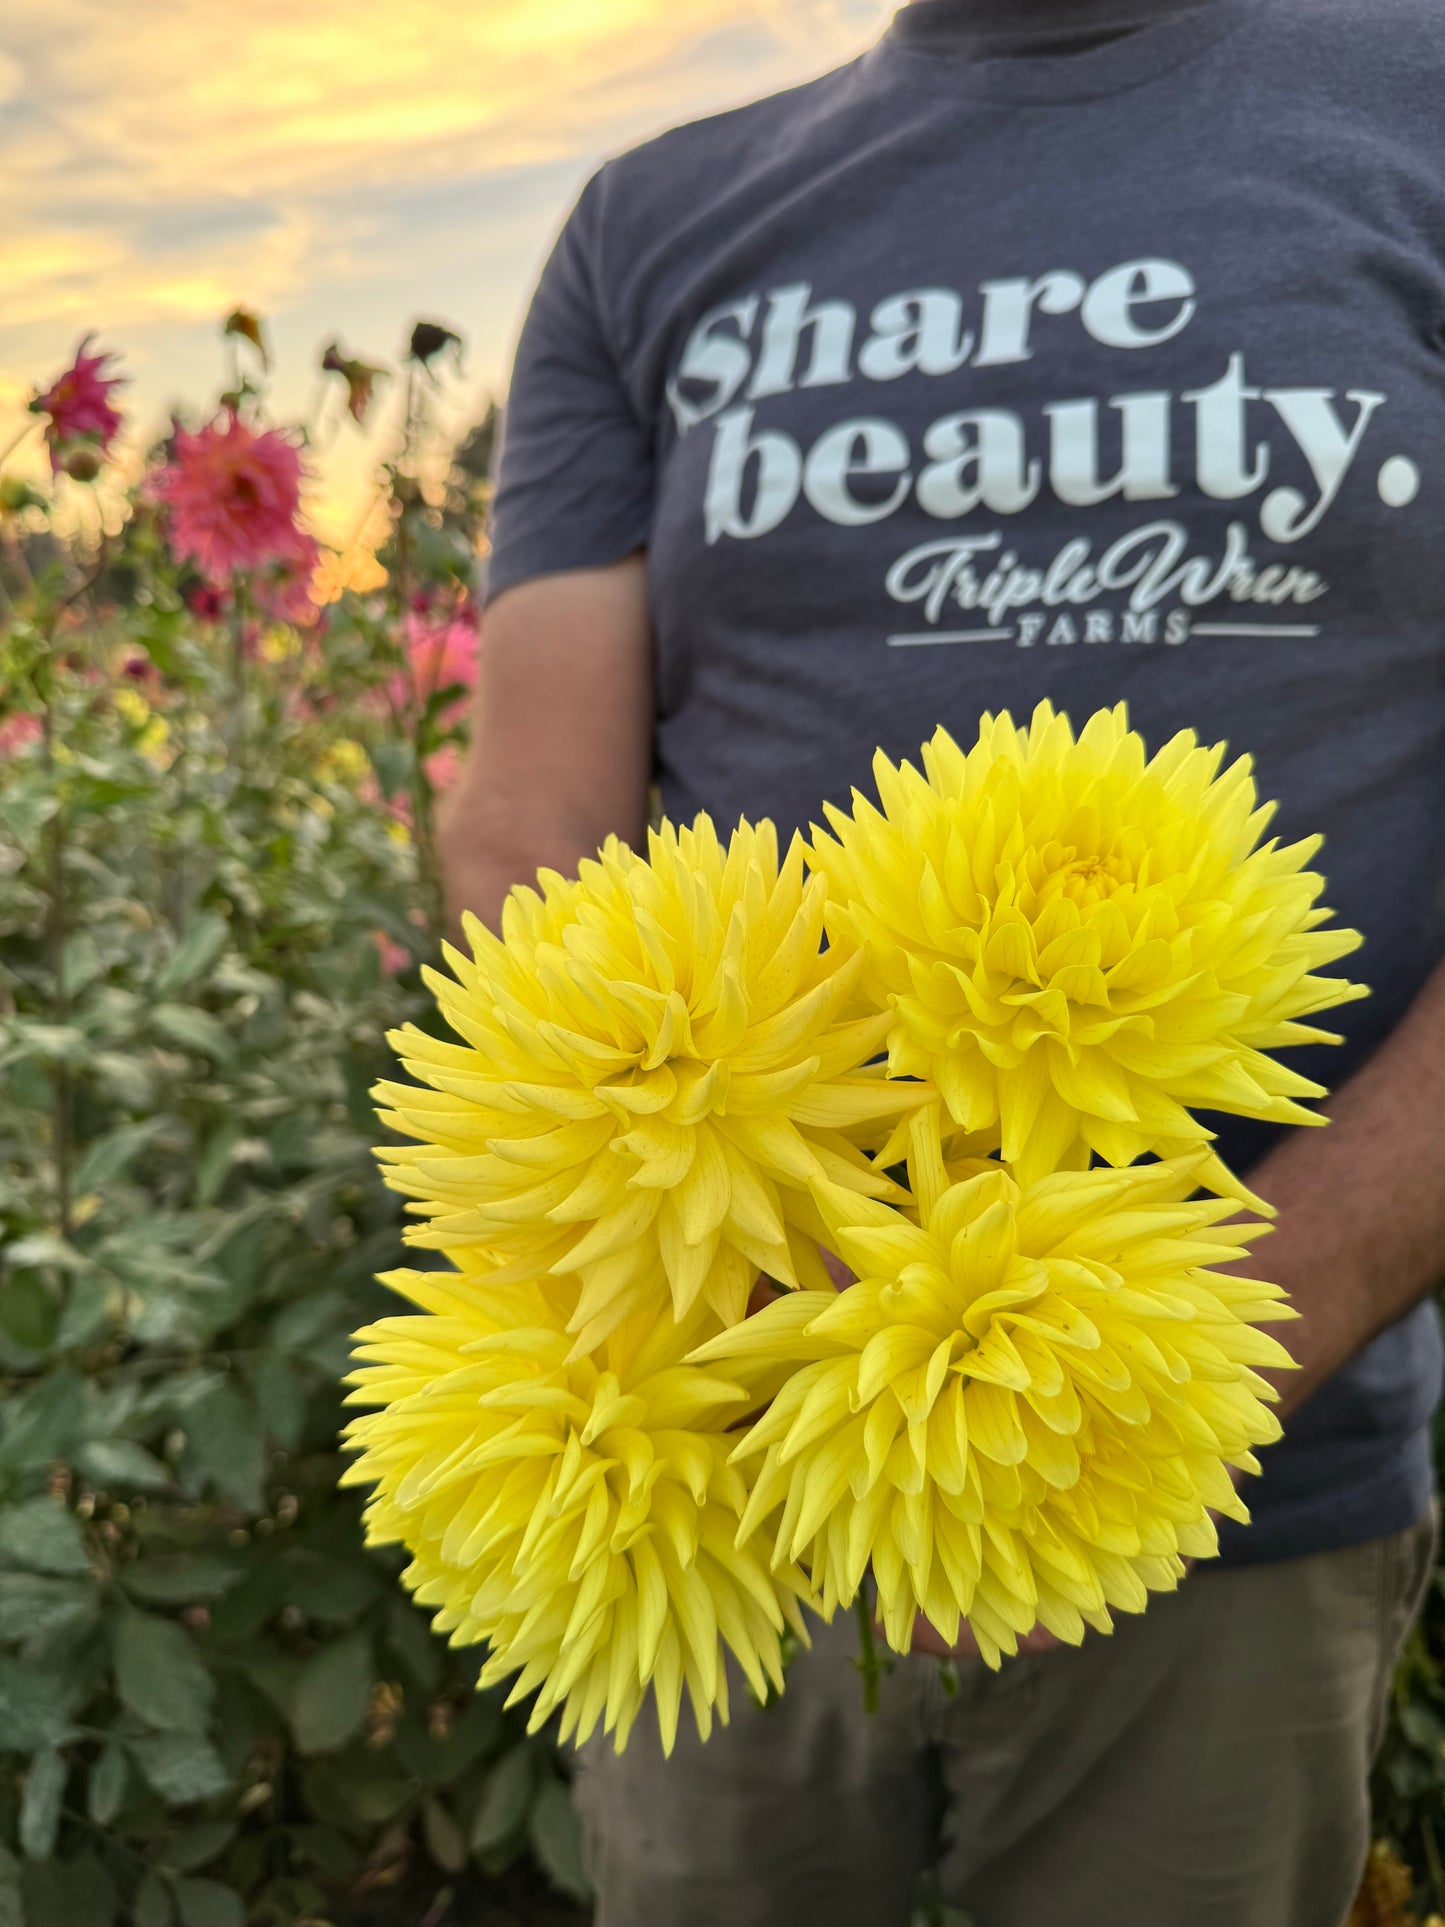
{"x": 1361, "y": 1230}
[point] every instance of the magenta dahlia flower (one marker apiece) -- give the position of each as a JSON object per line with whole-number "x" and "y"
{"x": 233, "y": 495}
{"x": 83, "y": 421}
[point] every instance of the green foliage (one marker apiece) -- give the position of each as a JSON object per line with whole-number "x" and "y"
{"x": 216, "y": 1706}
{"x": 1409, "y": 1782}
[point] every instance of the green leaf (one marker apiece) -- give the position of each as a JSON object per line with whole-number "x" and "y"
{"x": 106, "y": 1788}
{"x": 194, "y": 1030}
{"x": 91, "y": 1305}
{"x": 505, "y": 1798}
{"x": 195, "y": 953}
{"x": 159, "y": 1675}
{"x": 123, "y": 1464}
{"x": 153, "y": 1902}
{"x": 42, "y": 1535}
{"x": 206, "y": 1903}
{"x": 33, "y": 1710}
{"x": 556, "y": 1837}
{"x": 28, "y": 1312}
{"x": 40, "y": 1806}
{"x": 332, "y": 1695}
{"x": 178, "y": 1579}
{"x": 77, "y": 1893}
{"x": 419, "y": 1650}
{"x": 44, "y": 1248}
{"x": 441, "y": 1761}
{"x": 306, "y": 1321}
{"x": 30, "y": 1603}
{"x": 110, "y": 1156}
{"x": 393, "y": 760}
{"x": 223, "y": 1429}
{"x": 128, "y": 1081}
{"x": 213, "y": 1166}
{"x": 80, "y": 963}
{"x": 445, "y": 1841}
{"x": 43, "y": 1423}
{"x": 50, "y": 1043}
{"x": 195, "y": 1847}
{"x": 282, "y": 1395}
{"x": 181, "y": 1768}
{"x": 12, "y": 1906}
{"x": 334, "y": 1589}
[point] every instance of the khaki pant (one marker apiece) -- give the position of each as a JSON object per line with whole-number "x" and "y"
{"x": 1204, "y": 1767}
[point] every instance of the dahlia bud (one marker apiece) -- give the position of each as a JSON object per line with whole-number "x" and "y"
{"x": 17, "y": 495}
{"x": 82, "y": 463}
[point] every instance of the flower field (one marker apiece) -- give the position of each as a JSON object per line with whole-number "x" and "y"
{"x": 221, "y": 752}
{"x": 218, "y": 778}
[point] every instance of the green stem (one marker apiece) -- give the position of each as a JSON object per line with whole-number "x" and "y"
{"x": 56, "y": 933}
{"x": 16, "y": 440}
{"x": 237, "y": 721}
{"x": 1432, "y": 1855}
{"x": 867, "y": 1661}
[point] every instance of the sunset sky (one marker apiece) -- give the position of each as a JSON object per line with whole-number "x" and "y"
{"x": 342, "y": 165}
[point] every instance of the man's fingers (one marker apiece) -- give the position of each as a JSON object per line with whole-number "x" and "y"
{"x": 927, "y": 1639}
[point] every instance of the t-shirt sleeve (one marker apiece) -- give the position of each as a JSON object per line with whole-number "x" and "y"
{"x": 575, "y": 467}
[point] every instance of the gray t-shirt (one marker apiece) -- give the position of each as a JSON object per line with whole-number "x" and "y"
{"x": 953, "y": 380}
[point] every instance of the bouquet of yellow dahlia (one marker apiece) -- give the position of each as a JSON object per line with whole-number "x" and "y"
{"x": 906, "y": 1045}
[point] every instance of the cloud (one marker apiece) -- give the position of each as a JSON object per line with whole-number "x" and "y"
{"x": 165, "y": 159}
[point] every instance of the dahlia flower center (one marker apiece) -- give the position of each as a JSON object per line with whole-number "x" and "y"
{"x": 1087, "y": 878}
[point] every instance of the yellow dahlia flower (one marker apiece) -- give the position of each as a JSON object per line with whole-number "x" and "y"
{"x": 656, "y": 1061}
{"x": 579, "y": 1515}
{"x": 1081, "y": 945}
{"x": 1023, "y": 1411}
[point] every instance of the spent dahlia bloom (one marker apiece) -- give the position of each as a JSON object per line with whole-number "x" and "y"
{"x": 233, "y": 495}
{"x": 1023, "y": 1411}
{"x": 656, "y": 1061}
{"x": 83, "y": 421}
{"x": 580, "y": 1515}
{"x": 1081, "y": 945}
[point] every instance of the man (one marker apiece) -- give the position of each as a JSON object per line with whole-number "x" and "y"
{"x": 1083, "y": 348}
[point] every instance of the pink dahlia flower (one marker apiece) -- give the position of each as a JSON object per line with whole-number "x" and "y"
{"x": 18, "y": 731}
{"x": 83, "y": 419}
{"x": 442, "y": 767}
{"x": 440, "y": 655}
{"x": 394, "y": 956}
{"x": 233, "y": 495}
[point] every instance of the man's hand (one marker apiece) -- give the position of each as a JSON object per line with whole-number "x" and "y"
{"x": 927, "y": 1640}
{"x": 1360, "y": 1237}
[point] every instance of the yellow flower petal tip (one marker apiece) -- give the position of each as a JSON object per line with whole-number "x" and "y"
{"x": 654, "y": 1063}
{"x": 1024, "y": 1411}
{"x": 578, "y": 1516}
{"x": 1082, "y": 945}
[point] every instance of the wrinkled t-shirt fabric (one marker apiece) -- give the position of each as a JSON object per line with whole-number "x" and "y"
{"x": 993, "y": 367}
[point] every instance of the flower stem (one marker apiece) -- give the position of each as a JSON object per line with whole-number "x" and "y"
{"x": 56, "y": 935}
{"x": 238, "y": 673}
{"x": 867, "y": 1662}
{"x": 15, "y": 440}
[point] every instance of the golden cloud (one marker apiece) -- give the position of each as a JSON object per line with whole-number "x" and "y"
{"x": 171, "y": 157}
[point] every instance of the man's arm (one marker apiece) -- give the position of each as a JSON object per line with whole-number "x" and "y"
{"x": 561, "y": 751}
{"x": 1360, "y": 1237}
